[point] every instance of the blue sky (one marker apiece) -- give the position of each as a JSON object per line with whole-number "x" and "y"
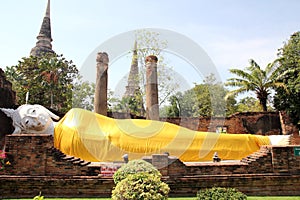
{"x": 230, "y": 31}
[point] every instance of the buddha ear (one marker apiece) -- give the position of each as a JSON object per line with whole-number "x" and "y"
{"x": 51, "y": 114}
{"x": 9, "y": 112}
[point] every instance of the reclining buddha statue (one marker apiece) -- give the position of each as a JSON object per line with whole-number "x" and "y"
{"x": 97, "y": 138}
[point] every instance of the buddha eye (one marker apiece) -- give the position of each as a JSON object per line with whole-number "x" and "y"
{"x": 33, "y": 110}
{"x": 27, "y": 121}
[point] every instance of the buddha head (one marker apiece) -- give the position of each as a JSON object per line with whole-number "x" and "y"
{"x": 31, "y": 119}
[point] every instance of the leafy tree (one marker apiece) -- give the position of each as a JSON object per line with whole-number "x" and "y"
{"x": 48, "y": 79}
{"x": 210, "y": 99}
{"x": 149, "y": 43}
{"x": 83, "y": 94}
{"x": 248, "y": 104}
{"x": 289, "y": 58}
{"x": 255, "y": 79}
{"x": 111, "y": 101}
{"x": 186, "y": 101}
{"x": 173, "y": 110}
{"x": 128, "y": 105}
{"x": 231, "y": 103}
{"x": 205, "y": 99}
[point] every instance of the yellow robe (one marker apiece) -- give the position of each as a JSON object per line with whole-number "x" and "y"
{"x": 96, "y": 138}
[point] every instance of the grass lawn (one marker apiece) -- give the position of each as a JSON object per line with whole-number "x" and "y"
{"x": 275, "y": 198}
{"x": 183, "y": 198}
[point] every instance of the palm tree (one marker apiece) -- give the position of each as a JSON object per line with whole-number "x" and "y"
{"x": 255, "y": 79}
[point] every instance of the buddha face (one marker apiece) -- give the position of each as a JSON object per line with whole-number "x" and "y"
{"x": 34, "y": 117}
{"x": 31, "y": 118}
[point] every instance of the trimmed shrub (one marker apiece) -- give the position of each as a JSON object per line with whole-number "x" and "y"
{"x": 133, "y": 167}
{"x": 219, "y": 193}
{"x": 141, "y": 186}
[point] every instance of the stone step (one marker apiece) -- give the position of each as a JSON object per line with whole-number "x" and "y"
{"x": 63, "y": 157}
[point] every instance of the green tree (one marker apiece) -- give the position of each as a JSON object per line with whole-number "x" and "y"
{"x": 210, "y": 99}
{"x": 128, "y": 105}
{"x": 289, "y": 58}
{"x": 206, "y": 99}
{"x": 255, "y": 79}
{"x": 111, "y": 101}
{"x": 150, "y": 43}
{"x": 48, "y": 79}
{"x": 248, "y": 104}
{"x": 83, "y": 94}
{"x": 173, "y": 110}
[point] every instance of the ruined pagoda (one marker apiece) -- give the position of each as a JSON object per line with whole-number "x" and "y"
{"x": 133, "y": 78}
{"x": 43, "y": 45}
{"x": 133, "y": 82}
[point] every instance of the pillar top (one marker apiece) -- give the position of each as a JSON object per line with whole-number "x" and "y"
{"x": 151, "y": 58}
{"x": 102, "y": 57}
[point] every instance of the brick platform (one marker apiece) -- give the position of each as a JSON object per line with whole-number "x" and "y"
{"x": 37, "y": 166}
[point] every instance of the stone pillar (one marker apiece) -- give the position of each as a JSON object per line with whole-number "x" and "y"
{"x": 152, "y": 108}
{"x": 100, "y": 101}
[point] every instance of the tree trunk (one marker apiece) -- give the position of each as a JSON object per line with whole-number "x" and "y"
{"x": 263, "y": 103}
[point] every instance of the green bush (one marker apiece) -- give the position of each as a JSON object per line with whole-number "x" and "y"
{"x": 133, "y": 167}
{"x": 218, "y": 193}
{"x": 141, "y": 186}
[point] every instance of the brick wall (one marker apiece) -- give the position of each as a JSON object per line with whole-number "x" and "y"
{"x": 270, "y": 159}
{"x": 250, "y": 184}
{"x": 53, "y": 186}
{"x": 289, "y": 128}
{"x": 37, "y": 166}
{"x": 34, "y": 155}
{"x": 7, "y": 95}
{"x": 7, "y": 100}
{"x": 262, "y": 123}
{"x": 274, "y": 170}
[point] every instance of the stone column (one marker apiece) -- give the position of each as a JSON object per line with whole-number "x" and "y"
{"x": 100, "y": 101}
{"x": 152, "y": 108}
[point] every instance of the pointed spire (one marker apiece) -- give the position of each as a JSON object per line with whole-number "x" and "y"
{"x": 133, "y": 78}
{"x": 133, "y": 88}
{"x": 135, "y": 46}
{"x": 48, "y": 10}
{"x": 43, "y": 45}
